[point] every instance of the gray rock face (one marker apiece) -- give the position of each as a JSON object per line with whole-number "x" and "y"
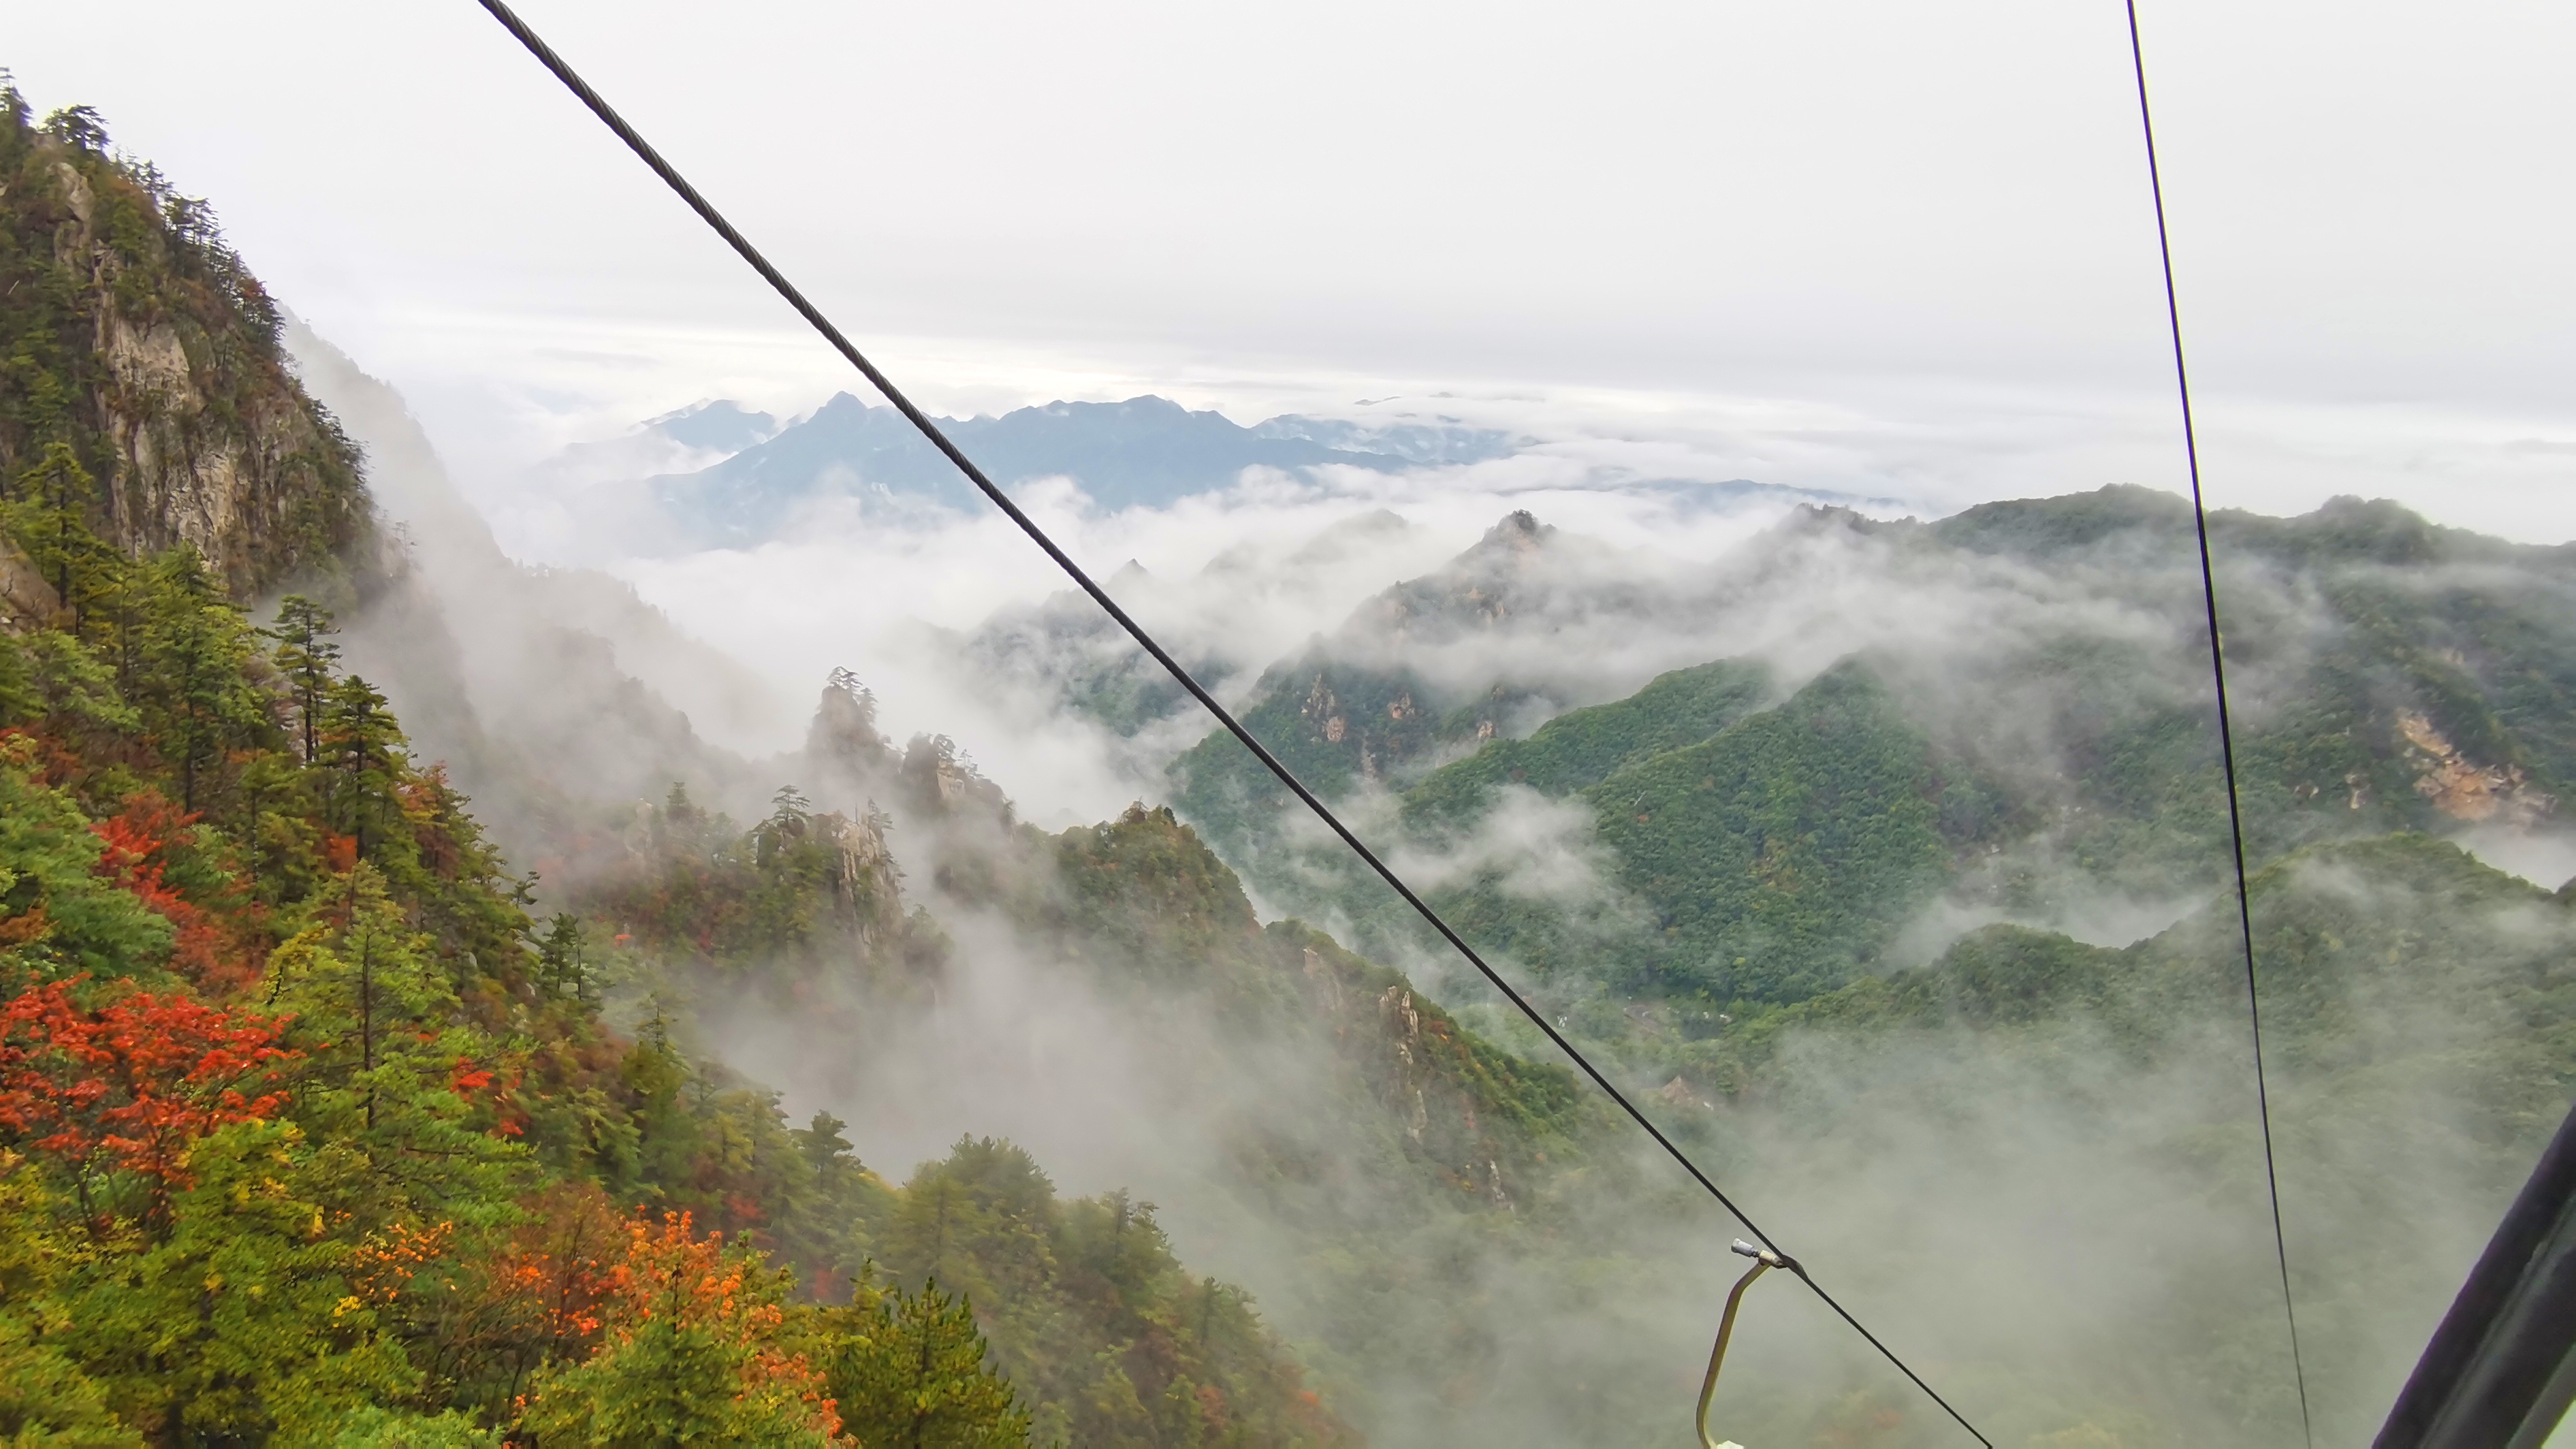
{"x": 181, "y": 408}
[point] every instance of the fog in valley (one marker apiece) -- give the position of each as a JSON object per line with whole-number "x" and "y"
{"x": 566, "y": 878}
{"x": 2060, "y": 1223}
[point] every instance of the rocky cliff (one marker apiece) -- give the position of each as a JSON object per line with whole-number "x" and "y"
{"x": 137, "y": 340}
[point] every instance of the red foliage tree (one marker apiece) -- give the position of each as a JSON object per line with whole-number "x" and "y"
{"x": 135, "y": 853}
{"x": 126, "y": 1086}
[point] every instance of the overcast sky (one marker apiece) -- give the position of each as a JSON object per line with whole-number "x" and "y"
{"x": 1889, "y": 247}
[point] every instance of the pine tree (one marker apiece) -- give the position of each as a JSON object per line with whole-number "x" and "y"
{"x": 560, "y": 963}
{"x": 305, "y": 655}
{"x": 51, "y": 503}
{"x": 652, "y": 1076}
{"x": 789, "y": 815}
{"x": 388, "y": 1067}
{"x": 364, "y": 756}
{"x": 912, "y": 1376}
{"x": 824, "y": 1149}
{"x": 194, "y": 646}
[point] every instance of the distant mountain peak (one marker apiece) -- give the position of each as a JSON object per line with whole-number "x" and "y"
{"x": 1514, "y": 543}
{"x": 720, "y": 425}
{"x": 728, "y": 475}
{"x": 1519, "y": 532}
{"x": 1144, "y": 451}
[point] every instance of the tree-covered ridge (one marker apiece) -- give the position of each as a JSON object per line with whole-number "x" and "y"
{"x": 303, "y": 1117}
{"x": 1392, "y": 1148}
{"x": 1066, "y": 647}
{"x": 1352, "y": 712}
{"x": 2419, "y": 1020}
{"x": 1761, "y": 853}
{"x": 2332, "y": 924}
{"x": 302, "y": 1125}
{"x": 146, "y": 394}
{"x": 1144, "y": 891}
{"x": 1359, "y": 1122}
{"x": 810, "y": 910}
{"x": 1582, "y": 747}
{"x": 1337, "y": 727}
{"x": 2390, "y": 675}
{"x": 1093, "y": 1318}
{"x": 2400, "y": 675}
{"x": 1780, "y": 854}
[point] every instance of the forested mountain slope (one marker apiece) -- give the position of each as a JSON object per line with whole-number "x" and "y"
{"x": 2002, "y": 713}
{"x": 2073, "y": 1129}
{"x": 1464, "y": 1246}
{"x": 308, "y": 1133}
{"x": 1340, "y": 1125}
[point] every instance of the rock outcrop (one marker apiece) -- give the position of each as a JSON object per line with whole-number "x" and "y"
{"x": 141, "y": 342}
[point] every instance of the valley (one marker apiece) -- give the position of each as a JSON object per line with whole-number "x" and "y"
{"x": 428, "y": 1022}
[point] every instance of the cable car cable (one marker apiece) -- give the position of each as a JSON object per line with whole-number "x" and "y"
{"x": 813, "y": 315}
{"x": 2226, "y": 729}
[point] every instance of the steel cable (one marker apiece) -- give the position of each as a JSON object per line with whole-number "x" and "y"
{"x": 2226, "y": 728}
{"x": 788, "y": 291}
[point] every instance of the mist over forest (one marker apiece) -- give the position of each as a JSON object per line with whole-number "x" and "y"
{"x": 704, "y": 939}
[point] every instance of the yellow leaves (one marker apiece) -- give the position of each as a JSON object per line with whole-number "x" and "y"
{"x": 384, "y": 1263}
{"x": 298, "y": 954}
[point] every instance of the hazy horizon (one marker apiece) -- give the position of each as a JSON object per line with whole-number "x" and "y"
{"x": 1874, "y": 251}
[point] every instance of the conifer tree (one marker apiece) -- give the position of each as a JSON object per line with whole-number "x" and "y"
{"x": 560, "y": 963}
{"x": 789, "y": 814}
{"x": 194, "y": 645}
{"x": 305, "y": 655}
{"x": 78, "y": 126}
{"x": 831, "y": 1206}
{"x": 387, "y": 1066}
{"x": 364, "y": 755}
{"x": 652, "y": 1077}
{"x": 824, "y": 1149}
{"x": 52, "y": 501}
{"x": 913, "y": 1375}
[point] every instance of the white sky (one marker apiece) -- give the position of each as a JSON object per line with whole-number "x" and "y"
{"x": 1911, "y": 243}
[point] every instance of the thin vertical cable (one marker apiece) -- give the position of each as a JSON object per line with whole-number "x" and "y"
{"x": 2226, "y": 730}
{"x": 823, "y": 326}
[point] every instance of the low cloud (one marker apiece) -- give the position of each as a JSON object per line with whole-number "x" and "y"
{"x": 1528, "y": 846}
{"x": 2544, "y": 858}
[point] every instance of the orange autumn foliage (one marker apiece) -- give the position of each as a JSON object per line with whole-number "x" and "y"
{"x": 127, "y": 1086}
{"x": 134, "y": 845}
{"x": 389, "y": 1259}
{"x": 669, "y": 1273}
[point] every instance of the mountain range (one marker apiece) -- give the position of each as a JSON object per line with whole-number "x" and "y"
{"x": 2003, "y": 713}
{"x": 744, "y": 478}
{"x": 723, "y": 475}
{"x": 401, "y": 1002}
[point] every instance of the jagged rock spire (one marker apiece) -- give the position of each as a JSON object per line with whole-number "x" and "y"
{"x": 845, "y": 724}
